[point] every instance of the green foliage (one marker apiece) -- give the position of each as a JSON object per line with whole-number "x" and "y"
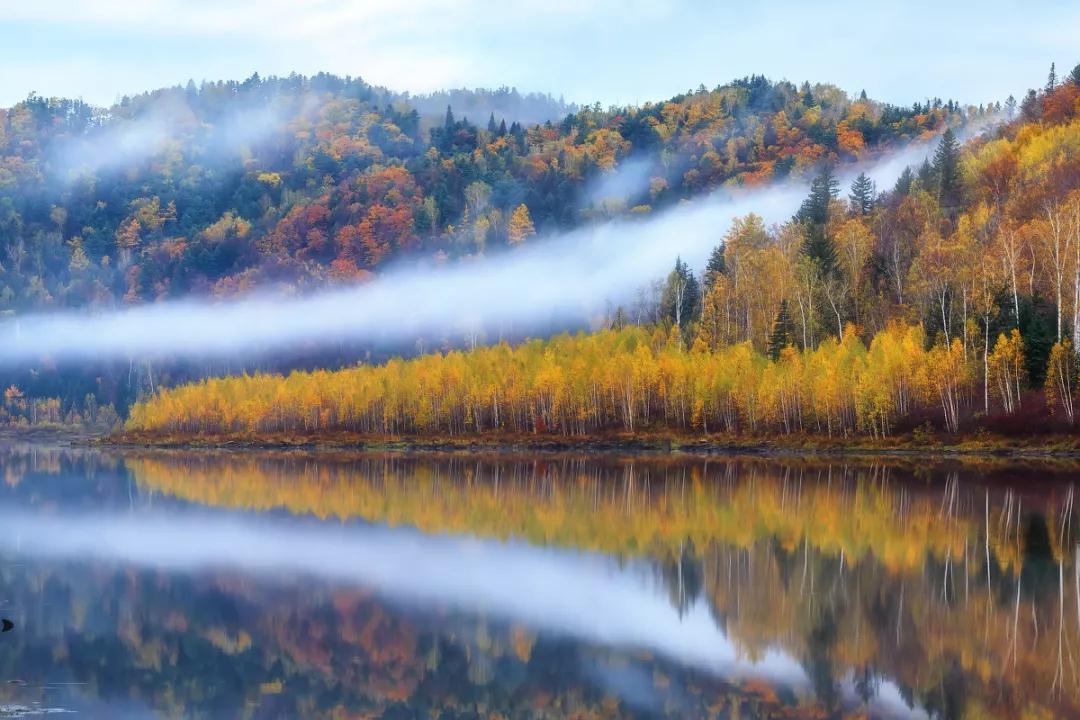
{"x": 946, "y": 171}
{"x": 716, "y": 265}
{"x": 863, "y": 194}
{"x": 783, "y": 332}
{"x": 681, "y": 300}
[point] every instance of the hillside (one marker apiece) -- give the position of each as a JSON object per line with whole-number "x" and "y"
{"x": 295, "y": 182}
{"x": 949, "y": 299}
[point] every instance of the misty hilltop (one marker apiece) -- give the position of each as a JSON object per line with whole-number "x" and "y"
{"x": 295, "y": 182}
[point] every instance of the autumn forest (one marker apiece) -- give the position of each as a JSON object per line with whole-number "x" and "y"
{"x": 948, "y": 302}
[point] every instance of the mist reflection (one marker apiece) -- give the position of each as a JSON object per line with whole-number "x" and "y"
{"x": 650, "y": 586}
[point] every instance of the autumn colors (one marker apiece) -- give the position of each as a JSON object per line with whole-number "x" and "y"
{"x": 947, "y": 302}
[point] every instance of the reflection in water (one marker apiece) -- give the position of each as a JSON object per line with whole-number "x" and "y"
{"x": 295, "y": 584}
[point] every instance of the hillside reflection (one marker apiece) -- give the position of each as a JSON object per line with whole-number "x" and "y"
{"x": 306, "y": 584}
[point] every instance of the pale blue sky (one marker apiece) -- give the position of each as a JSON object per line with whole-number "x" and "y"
{"x": 614, "y": 51}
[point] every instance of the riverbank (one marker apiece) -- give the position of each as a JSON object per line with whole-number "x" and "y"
{"x": 912, "y": 445}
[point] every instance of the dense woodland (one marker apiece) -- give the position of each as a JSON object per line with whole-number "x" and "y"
{"x": 291, "y": 184}
{"x": 950, "y": 299}
{"x": 298, "y": 181}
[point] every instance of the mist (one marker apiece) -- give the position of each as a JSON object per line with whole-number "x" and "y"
{"x": 577, "y": 594}
{"x": 118, "y": 144}
{"x": 550, "y": 282}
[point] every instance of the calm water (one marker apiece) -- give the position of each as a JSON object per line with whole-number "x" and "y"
{"x": 258, "y": 584}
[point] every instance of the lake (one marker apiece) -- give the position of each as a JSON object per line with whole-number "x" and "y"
{"x": 293, "y": 584}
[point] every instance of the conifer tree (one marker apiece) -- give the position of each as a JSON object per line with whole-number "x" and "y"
{"x": 863, "y": 195}
{"x": 716, "y": 266}
{"x": 681, "y": 298}
{"x": 783, "y": 332}
{"x": 903, "y": 183}
{"x": 814, "y": 216}
{"x": 947, "y": 170}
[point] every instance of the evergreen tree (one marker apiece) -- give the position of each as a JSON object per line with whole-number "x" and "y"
{"x": 716, "y": 266}
{"x": 502, "y": 127}
{"x": 1030, "y": 106}
{"x": 1074, "y": 76}
{"x": 449, "y": 123}
{"x": 1010, "y": 108}
{"x": 814, "y": 217}
{"x": 1051, "y": 79}
{"x": 903, "y": 183}
{"x": 492, "y": 128}
{"x": 783, "y": 332}
{"x": 863, "y": 195}
{"x": 823, "y": 189}
{"x": 947, "y": 170}
{"x": 681, "y": 298}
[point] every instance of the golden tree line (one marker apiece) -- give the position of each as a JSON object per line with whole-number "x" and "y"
{"x": 802, "y": 538}
{"x": 613, "y": 380}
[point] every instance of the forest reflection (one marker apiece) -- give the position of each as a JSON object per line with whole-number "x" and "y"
{"x": 811, "y": 588}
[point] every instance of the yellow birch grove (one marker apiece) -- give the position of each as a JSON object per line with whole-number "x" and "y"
{"x": 614, "y": 380}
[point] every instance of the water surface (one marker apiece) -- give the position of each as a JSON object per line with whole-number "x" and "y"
{"x": 292, "y": 584}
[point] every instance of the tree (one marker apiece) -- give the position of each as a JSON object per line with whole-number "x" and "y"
{"x": 863, "y": 195}
{"x": 521, "y": 226}
{"x": 946, "y": 169}
{"x": 783, "y": 332}
{"x": 824, "y": 188}
{"x": 1010, "y": 108}
{"x": 1006, "y": 365}
{"x": 681, "y": 298}
{"x": 904, "y": 181}
{"x": 1051, "y": 79}
{"x": 1061, "y": 380}
{"x": 814, "y": 217}
{"x": 1074, "y": 76}
{"x": 716, "y": 266}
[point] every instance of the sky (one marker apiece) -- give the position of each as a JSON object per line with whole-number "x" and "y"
{"x": 610, "y": 51}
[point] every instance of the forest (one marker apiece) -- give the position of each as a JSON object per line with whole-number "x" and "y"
{"x": 292, "y": 184}
{"x": 969, "y": 267}
{"x": 949, "y": 301}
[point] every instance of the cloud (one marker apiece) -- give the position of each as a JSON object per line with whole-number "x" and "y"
{"x": 552, "y": 282}
{"x": 604, "y": 50}
{"x": 581, "y": 595}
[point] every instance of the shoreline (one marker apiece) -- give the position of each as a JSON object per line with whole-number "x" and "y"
{"x": 1065, "y": 447}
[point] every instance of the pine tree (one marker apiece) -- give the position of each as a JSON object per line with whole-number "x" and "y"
{"x": 863, "y": 195}
{"x": 783, "y": 332}
{"x": 823, "y": 189}
{"x": 1030, "y": 106}
{"x": 492, "y": 128}
{"x": 1074, "y": 76}
{"x": 449, "y": 123}
{"x": 814, "y": 217}
{"x": 1051, "y": 79}
{"x": 1010, "y": 108}
{"x": 502, "y": 127}
{"x": 681, "y": 298}
{"x": 947, "y": 170}
{"x": 716, "y": 266}
{"x": 903, "y": 183}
